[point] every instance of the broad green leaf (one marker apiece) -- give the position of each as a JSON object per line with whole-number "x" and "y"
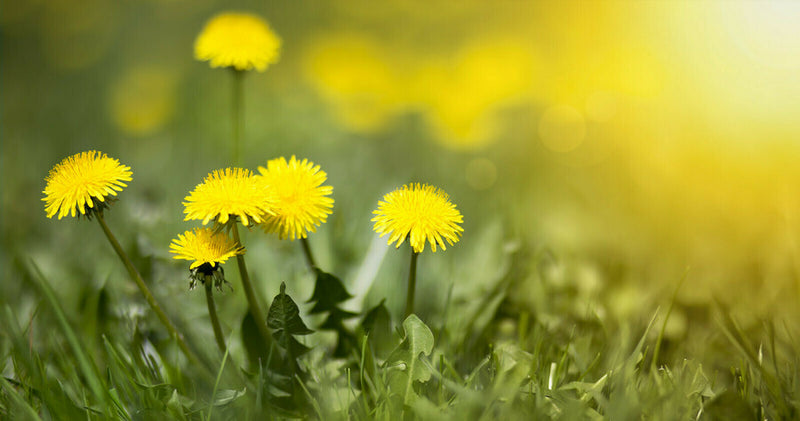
{"x": 285, "y": 316}
{"x": 328, "y": 292}
{"x": 404, "y": 362}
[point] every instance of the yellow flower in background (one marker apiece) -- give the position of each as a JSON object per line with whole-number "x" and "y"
{"x": 420, "y": 212}
{"x": 301, "y": 202}
{"x": 232, "y": 191}
{"x": 82, "y": 182}
{"x": 204, "y": 246}
{"x": 142, "y": 99}
{"x": 240, "y": 40}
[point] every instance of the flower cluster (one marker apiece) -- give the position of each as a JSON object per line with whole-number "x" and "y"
{"x": 286, "y": 198}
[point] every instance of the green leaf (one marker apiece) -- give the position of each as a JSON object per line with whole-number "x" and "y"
{"x": 404, "y": 362}
{"x": 224, "y": 397}
{"x": 377, "y": 324}
{"x": 328, "y": 292}
{"x": 284, "y": 315}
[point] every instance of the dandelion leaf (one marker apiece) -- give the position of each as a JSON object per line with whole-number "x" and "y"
{"x": 404, "y": 363}
{"x": 377, "y": 325}
{"x": 284, "y": 320}
{"x": 328, "y": 293}
{"x": 284, "y": 316}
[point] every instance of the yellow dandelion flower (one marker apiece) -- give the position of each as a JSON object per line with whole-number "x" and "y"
{"x": 301, "y": 202}
{"x": 204, "y": 246}
{"x": 81, "y": 183}
{"x": 240, "y": 40}
{"x": 232, "y": 191}
{"x": 421, "y": 213}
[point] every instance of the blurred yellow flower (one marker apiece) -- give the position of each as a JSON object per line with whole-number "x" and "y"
{"x": 232, "y": 191}
{"x": 301, "y": 200}
{"x": 420, "y": 212}
{"x": 240, "y": 40}
{"x": 142, "y": 99}
{"x": 351, "y": 72}
{"x": 204, "y": 246}
{"x": 82, "y": 182}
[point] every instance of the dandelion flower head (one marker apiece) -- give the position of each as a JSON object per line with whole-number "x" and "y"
{"x": 76, "y": 182}
{"x": 229, "y": 192}
{"x": 240, "y": 40}
{"x": 302, "y": 202}
{"x": 421, "y": 213}
{"x": 204, "y": 246}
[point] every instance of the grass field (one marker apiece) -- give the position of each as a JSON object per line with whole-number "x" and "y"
{"x": 626, "y": 173}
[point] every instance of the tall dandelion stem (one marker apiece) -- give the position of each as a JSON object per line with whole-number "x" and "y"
{"x": 212, "y": 312}
{"x": 137, "y": 278}
{"x": 307, "y": 253}
{"x": 255, "y": 308}
{"x": 237, "y": 115}
{"x": 412, "y": 284}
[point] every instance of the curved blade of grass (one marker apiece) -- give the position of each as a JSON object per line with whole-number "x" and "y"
{"x": 26, "y": 412}
{"x": 84, "y": 362}
{"x": 216, "y": 383}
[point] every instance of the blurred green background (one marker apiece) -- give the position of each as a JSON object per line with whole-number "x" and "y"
{"x": 613, "y": 146}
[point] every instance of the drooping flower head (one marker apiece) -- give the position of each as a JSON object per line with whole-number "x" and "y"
{"x": 82, "y": 183}
{"x": 208, "y": 249}
{"x": 240, "y": 40}
{"x": 302, "y": 202}
{"x": 229, "y": 192}
{"x": 421, "y": 213}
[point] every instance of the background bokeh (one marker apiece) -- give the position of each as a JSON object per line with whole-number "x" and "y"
{"x": 622, "y": 146}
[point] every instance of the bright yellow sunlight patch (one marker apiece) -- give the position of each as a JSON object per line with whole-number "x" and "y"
{"x": 240, "y": 40}
{"x": 421, "y": 213}
{"x": 203, "y": 245}
{"x": 75, "y": 182}
{"x": 301, "y": 199}
{"x": 232, "y": 191}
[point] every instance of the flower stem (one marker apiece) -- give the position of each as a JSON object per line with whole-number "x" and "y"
{"x": 212, "y": 312}
{"x": 137, "y": 278}
{"x": 307, "y": 253}
{"x": 412, "y": 284}
{"x": 237, "y": 115}
{"x": 255, "y": 308}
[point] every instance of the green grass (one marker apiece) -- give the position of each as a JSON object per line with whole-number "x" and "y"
{"x": 484, "y": 359}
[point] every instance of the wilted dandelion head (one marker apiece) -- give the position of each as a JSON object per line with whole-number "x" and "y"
{"x": 232, "y": 191}
{"x": 82, "y": 182}
{"x": 421, "y": 213}
{"x": 301, "y": 201}
{"x": 240, "y": 40}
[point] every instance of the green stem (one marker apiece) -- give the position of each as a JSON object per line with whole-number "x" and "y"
{"x": 412, "y": 284}
{"x": 237, "y": 121}
{"x": 137, "y": 278}
{"x": 212, "y": 312}
{"x": 307, "y": 253}
{"x": 255, "y": 308}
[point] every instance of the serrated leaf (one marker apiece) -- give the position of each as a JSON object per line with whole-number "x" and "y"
{"x": 284, "y": 315}
{"x": 404, "y": 362}
{"x": 328, "y": 292}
